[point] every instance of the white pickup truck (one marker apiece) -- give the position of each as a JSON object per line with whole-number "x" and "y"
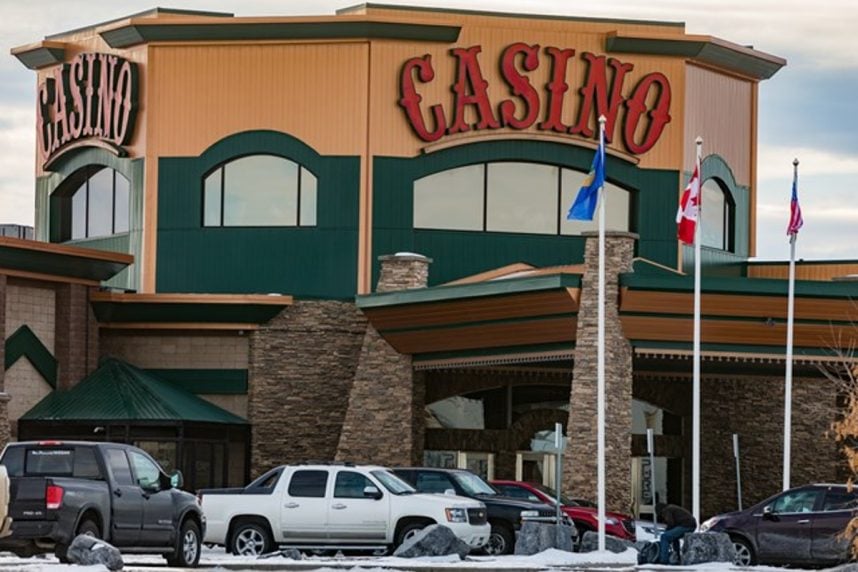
{"x": 332, "y": 506}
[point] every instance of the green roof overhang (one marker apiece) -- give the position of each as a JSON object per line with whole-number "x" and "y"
{"x": 42, "y": 259}
{"x": 138, "y": 31}
{"x": 40, "y": 55}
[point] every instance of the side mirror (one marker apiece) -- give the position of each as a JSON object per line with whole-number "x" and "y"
{"x": 372, "y": 492}
{"x": 176, "y": 479}
{"x": 768, "y": 513}
{"x": 450, "y": 492}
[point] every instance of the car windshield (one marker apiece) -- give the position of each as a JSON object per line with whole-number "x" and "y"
{"x": 566, "y": 501}
{"x": 472, "y": 484}
{"x": 393, "y": 483}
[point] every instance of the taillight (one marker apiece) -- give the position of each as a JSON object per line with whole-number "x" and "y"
{"x": 53, "y": 497}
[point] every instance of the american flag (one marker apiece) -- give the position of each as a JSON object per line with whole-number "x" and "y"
{"x": 795, "y": 220}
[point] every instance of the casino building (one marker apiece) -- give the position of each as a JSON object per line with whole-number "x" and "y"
{"x": 283, "y": 239}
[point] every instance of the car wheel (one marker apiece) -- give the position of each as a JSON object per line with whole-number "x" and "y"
{"x": 187, "y": 554}
{"x": 250, "y": 539}
{"x": 86, "y": 527}
{"x": 580, "y": 531}
{"x": 408, "y": 532}
{"x": 501, "y": 541}
{"x": 744, "y": 552}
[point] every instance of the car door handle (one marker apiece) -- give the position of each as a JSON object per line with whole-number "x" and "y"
{"x": 338, "y": 506}
{"x": 805, "y": 521}
{"x": 117, "y": 492}
{"x": 291, "y": 505}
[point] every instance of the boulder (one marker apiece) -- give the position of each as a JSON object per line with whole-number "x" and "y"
{"x": 291, "y": 553}
{"x": 434, "y": 540}
{"x": 534, "y": 537}
{"x": 590, "y": 543}
{"x": 703, "y": 547}
{"x": 88, "y": 551}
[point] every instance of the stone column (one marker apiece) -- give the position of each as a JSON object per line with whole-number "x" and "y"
{"x": 384, "y": 422}
{"x": 580, "y": 470}
{"x": 5, "y": 429}
{"x": 76, "y": 335}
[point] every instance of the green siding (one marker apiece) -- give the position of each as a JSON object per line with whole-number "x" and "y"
{"x": 313, "y": 262}
{"x": 460, "y": 253}
{"x": 47, "y": 208}
{"x": 24, "y": 343}
{"x": 205, "y": 381}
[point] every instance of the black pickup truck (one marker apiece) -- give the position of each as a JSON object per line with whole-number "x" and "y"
{"x": 59, "y": 490}
{"x": 505, "y": 514}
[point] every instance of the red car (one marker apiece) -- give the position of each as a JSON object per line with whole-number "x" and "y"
{"x": 584, "y": 517}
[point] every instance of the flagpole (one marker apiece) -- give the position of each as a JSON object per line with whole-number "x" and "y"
{"x": 789, "y": 342}
{"x": 600, "y": 399}
{"x": 695, "y": 433}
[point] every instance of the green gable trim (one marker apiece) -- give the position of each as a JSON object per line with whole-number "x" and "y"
{"x": 25, "y": 343}
{"x": 308, "y": 262}
{"x": 510, "y": 351}
{"x": 738, "y": 348}
{"x": 466, "y": 291}
{"x": 41, "y": 57}
{"x": 742, "y": 286}
{"x": 133, "y": 34}
{"x": 654, "y": 195}
{"x": 205, "y": 381}
{"x": 712, "y": 51}
{"x": 120, "y": 392}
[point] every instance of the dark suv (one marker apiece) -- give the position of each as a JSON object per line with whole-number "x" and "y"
{"x": 505, "y": 513}
{"x": 802, "y": 526}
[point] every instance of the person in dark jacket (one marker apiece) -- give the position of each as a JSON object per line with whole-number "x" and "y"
{"x": 678, "y": 522}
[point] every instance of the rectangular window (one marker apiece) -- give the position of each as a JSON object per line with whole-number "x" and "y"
{"x": 350, "y": 485}
{"x": 617, "y": 207}
{"x": 451, "y": 199}
{"x": 118, "y": 463}
{"x": 310, "y": 484}
{"x": 78, "y": 214}
{"x": 212, "y": 195}
{"x": 260, "y": 190}
{"x": 121, "y": 206}
{"x": 100, "y": 205}
{"x": 308, "y": 198}
{"x": 522, "y": 197}
{"x": 713, "y": 211}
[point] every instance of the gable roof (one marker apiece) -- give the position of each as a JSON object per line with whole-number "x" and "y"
{"x": 118, "y": 391}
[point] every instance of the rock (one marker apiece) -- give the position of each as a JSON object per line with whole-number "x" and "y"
{"x": 703, "y": 547}
{"x": 535, "y": 537}
{"x": 590, "y": 543}
{"x": 88, "y": 551}
{"x": 291, "y": 553}
{"x": 434, "y": 540}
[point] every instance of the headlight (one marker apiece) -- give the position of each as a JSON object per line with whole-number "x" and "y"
{"x": 456, "y": 514}
{"x": 709, "y": 523}
{"x": 529, "y": 513}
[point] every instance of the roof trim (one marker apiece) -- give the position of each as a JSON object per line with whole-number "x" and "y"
{"x": 704, "y": 49}
{"x": 34, "y": 258}
{"x": 138, "y": 31}
{"x": 225, "y": 311}
{"x": 150, "y": 13}
{"x": 465, "y": 291}
{"x": 741, "y": 286}
{"x": 41, "y": 54}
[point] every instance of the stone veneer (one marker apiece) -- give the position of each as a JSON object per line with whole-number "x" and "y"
{"x": 5, "y": 433}
{"x": 76, "y": 339}
{"x": 384, "y": 423}
{"x": 580, "y": 463}
{"x": 300, "y": 374}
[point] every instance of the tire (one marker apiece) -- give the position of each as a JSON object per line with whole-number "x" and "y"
{"x": 88, "y": 527}
{"x": 580, "y": 530}
{"x": 501, "y": 541}
{"x": 408, "y": 531}
{"x": 188, "y": 546}
{"x": 250, "y": 539}
{"x": 744, "y": 552}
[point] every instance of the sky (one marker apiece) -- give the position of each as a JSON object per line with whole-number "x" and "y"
{"x": 806, "y": 111}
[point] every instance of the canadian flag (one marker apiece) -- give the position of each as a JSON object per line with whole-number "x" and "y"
{"x": 689, "y": 208}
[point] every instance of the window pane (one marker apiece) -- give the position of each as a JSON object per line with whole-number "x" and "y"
{"x": 616, "y": 209}
{"x": 451, "y": 199}
{"x": 433, "y": 483}
{"x": 840, "y": 499}
{"x": 714, "y": 215}
{"x": 308, "y": 484}
{"x": 119, "y": 466}
{"x": 797, "y": 501}
{"x": 101, "y": 203}
{"x": 123, "y": 197}
{"x": 147, "y": 472}
{"x": 308, "y": 198}
{"x": 211, "y": 199}
{"x": 522, "y": 197}
{"x": 79, "y": 213}
{"x": 350, "y": 485}
{"x": 260, "y": 190}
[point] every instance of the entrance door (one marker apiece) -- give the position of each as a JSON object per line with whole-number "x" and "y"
{"x": 304, "y": 510}
{"x": 127, "y": 500}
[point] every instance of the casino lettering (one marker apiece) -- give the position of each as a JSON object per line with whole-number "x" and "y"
{"x": 647, "y": 106}
{"x": 94, "y": 96}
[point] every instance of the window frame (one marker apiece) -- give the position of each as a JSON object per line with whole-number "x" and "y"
{"x": 632, "y": 202}
{"x": 80, "y": 183}
{"x": 222, "y": 193}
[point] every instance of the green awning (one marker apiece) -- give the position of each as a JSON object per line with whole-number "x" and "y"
{"x": 120, "y": 392}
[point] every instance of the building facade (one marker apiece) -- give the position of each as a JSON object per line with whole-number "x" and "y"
{"x": 325, "y": 226}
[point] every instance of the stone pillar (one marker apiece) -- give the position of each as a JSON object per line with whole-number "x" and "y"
{"x": 580, "y": 471}
{"x": 5, "y": 429}
{"x": 300, "y": 373}
{"x": 76, "y": 335}
{"x": 384, "y": 422}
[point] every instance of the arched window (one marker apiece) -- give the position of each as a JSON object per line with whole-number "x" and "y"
{"x": 259, "y": 190}
{"x": 716, "y": 216}
{"x": 99, "y": 205}
{"x": 510, "y": 197}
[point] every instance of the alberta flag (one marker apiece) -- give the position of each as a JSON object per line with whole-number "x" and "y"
{"x": 588, "y": 195}
{"x": 689, "y": 208}
{"x": 795, "y": 220}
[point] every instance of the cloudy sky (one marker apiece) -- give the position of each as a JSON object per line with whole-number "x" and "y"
{"x": 807, "y": 110}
